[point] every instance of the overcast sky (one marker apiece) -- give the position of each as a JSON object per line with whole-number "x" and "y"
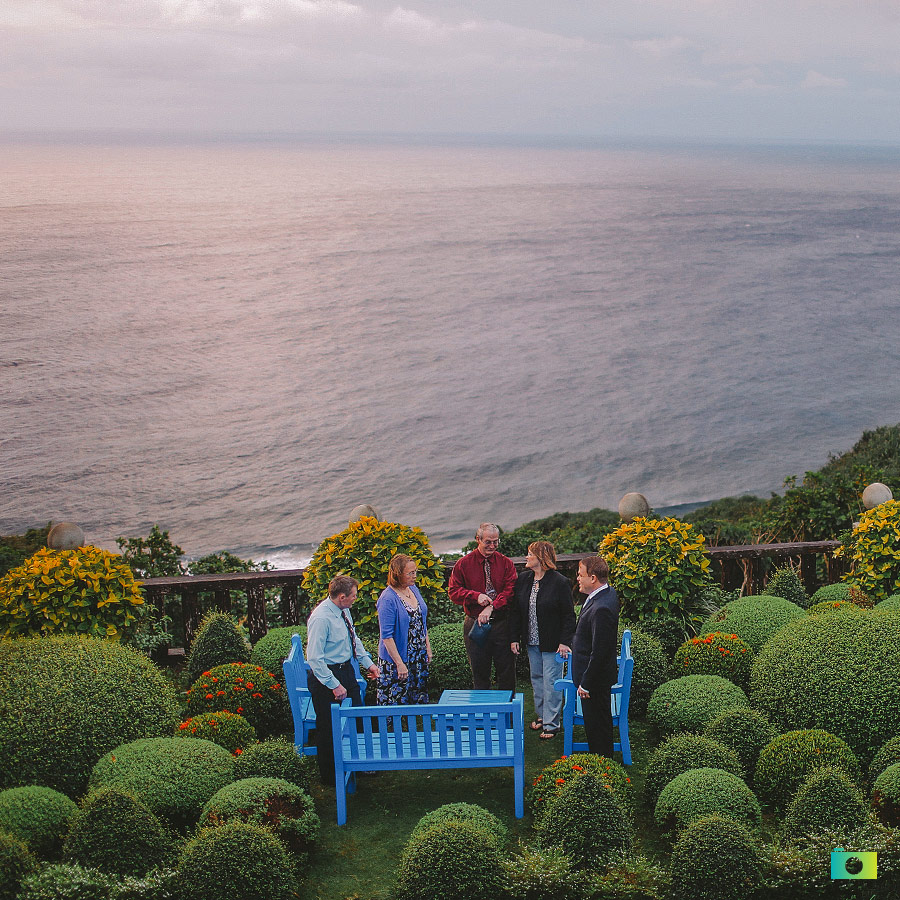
{"x": 709, "y": 69}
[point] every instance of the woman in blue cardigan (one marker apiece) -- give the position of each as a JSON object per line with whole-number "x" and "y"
{"x": 404, "y": 651}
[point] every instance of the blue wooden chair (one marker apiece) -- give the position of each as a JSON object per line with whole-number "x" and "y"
{"x": 295, "y": 668}
{"x": 620, "y": 696}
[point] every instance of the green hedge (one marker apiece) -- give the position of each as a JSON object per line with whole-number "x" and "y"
{"x": 228, "y": 730}
{"x": 218, "y": 641}
{"x": 704, "y": 792}
{"x": 826, "y": 800}
{"x": 786, "y": 583}
{"x": 651, "y": 667}
{"x": 274, "y": 758}
{"x": 495, "y": 831}
{"x": 887, "y": 755}
{"x": 746, "y": 731}
{"x": 886, "y": 796}
{"x": 716, "y": 653}
{"x": 272, "y": 649}
{"x": 753, "y": 619}
{"x": 39, "y": 816}
{"x": 449, "y": 668}
{"x": 680, "y": 753}
{"x": 69, "y": 881}
{"x": 690, "y": 702}
{"x": 554, "y": 777}
{"x": 16, "y": 861}
{"x": 67, "y": 701}
{"x": 542, "y": 873}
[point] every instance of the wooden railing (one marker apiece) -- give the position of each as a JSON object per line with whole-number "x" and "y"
{"x": 743, "y": 567}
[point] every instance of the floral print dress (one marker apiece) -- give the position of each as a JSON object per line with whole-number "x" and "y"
{"x": 390, "y": 691}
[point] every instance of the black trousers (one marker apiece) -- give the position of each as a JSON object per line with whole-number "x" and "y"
{"x": 598, "y": 723}
{"x": 323, "y": 698}
{"x": 496, "y": 650}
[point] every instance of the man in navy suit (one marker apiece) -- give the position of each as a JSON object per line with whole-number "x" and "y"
{"x": 594, "y": 667}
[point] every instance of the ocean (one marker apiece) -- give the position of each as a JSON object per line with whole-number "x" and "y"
{"x": 241, "y": 342}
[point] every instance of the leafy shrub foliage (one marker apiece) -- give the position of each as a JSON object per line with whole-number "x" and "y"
{"x": 68, "y": 700}
{"x": 450, "y": 861}
{"x": 702, "y": 792}
{"x": 274, "y": 758}
{"x": 174, "y": 777}
{"x": 450, "y": 665}
{"x": 830, "y": 606}
{"x": 873, "y": 551}
{"x": 716, "y": 653}
{"x": 631, "y": 876}
{"x": 39, "y": 816}
{"x": 494, "y": 830}
{"x": 115, "y": 832}
{"x": 245, "y": 690}
{"x": 553, "y": 778}
{"x": 363, "y": 550}
{"x": 273, "y": 803}
{"x": 16, "y": 861}
{"x": 228, "y": 730}
{"x": 658, "y": 566}
{"x": 651, "y": 667}
{"x": 85, "y": 591}
{"x": 689, "y": 702}
{"x": 68, "y": 881}
{"x": 586, "y": 820}
{"x": 886, "y": 796}
{"x": 237, "y": 861}
{"x": 786, "y": 583}
{"x": 670, "y": 631}
{"x": 786, "y": 762}
{"x": 16, "y": 548}
{"x": 892, "y": 602}
{"x": 831, "y": 592}
{"x": 827, "y": 799}
{"x": 886, "y": 756}
{"x": 753, "y": 619}
{"x": 535, "y": 874}
{"x": 746, "y": 731}
{"x": 715, "y": 858}
{"x": 218, "y": 641}
{"x": 272, "y": 649}
{"x": 683, "y": 752}
{"x": 152, "y": 557}
{"x": 837, "y": 672}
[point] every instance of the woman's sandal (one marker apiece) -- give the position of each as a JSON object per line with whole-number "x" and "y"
{"x": 537, "y": 725}
{"x": 548, "y": 735}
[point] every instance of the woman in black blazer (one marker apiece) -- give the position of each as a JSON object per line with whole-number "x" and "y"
{"x": 542, "y": 618}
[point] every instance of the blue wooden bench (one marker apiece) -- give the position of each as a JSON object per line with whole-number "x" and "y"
{"x": 620, "y": 695}
{"x": 427, "y": 736}
{"x": 295, "y": 668}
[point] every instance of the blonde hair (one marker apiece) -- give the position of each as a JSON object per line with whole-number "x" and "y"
{"x": 545, "y": 553}
{"x": 395, "y": 569}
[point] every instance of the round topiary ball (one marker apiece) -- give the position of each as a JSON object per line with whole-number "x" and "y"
{"x": 174, "y": 777}
{"x": 830, "y": 606}
{"x": 886, "y": 796}
{"x": 887, "y": 755}
{"x": 218, "y": 641}
{"x": 237, "y": 861}
{"x": 703, "y": 792}
{"x": 273, "y": 803}
{"x": 274, "y": 758}
{"x": 272, "y": 649}
{"x": 753, "y": 619}
{"x": 495, "y": 831}
{"x": 826, "y": 801}
{"x": 554, "y": 777}
{"x": 680, "y": 753}
{"x": 830, "y": 593}
{"x": 651, "y": 667}
{"x": 450, "y": 861}
{"x": 716, "y": 653}
{"x": 715, "y": 858}
{"x": 746, "y": 731}
{"x": 39, "y": 816}
{"x": 838, "y": 673}
{"x": 688, "y": 703}
{"x": 68, "y": 700}
{"x": 449, "y": 669}
{"x": 668, "y": 630}
{"x": 586, "y": 820}
{"x": 786, "y": 762}
{"x": 786, "y": 583}
{"x": 114, "y": 832}
{"x": 892, "y": 602}
{"x": 228, "y": 730}
{"x": 16, "y": 861}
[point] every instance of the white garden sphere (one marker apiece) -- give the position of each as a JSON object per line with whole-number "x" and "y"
{"x": 65, "y": 536}
{"x": 633, "y": 506}
{"x": 364, "y": 509}
{"x": 876, "y": 494}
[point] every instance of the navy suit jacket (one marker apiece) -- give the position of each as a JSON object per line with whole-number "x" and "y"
{"x": 596, "y": 641}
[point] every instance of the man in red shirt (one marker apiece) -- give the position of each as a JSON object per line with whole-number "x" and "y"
{"x": 482, "y": 583}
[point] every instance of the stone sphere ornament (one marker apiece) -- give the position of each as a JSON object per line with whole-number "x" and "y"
{"x": 65, "y": 536}
{"x": 875, "y": 494}
{"x": 632, "y": 506}
{"x": 364, "y": 509}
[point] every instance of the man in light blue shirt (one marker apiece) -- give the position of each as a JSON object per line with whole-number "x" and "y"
{"x": 331, "y": 646}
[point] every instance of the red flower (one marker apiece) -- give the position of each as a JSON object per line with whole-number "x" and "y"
{"x": 209, "y": 696}
{"x": 240, "y": 709}
{"x": 238, "y": 752}
{"x": 257, "y": 696}
{"x": 249, "y": 684}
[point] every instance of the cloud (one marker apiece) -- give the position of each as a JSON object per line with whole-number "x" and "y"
{"x": 815, "y": 80}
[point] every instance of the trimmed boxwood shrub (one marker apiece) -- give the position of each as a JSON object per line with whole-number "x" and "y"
{"x": 892, "y": 602}
{"x": 753, "y": 619}
{"x": 494, "y": 830}
{"x": 272, "y": 649}
{"x": 218, "y": 641}
{"x": 631, "y": 876}
{"x": 115, "y": 832}
{"x": 586, "y": 820}
{"x": 273, "y": 803}
{"x": 786, "y": 583}
{"x": 680, "y": 753}
{"x": 746, "y": 731}
{"x": 228, "y": 730}
{"x": 716, "y": 653}
{"x": 274, "y": 758}
{"x": 539, "y": 873}
{"x": 449, "y": 669}
{"x": 174, "y": 777}
{"x": 16, "y": 861}
{"x": 826, "y": 801}
{"x": 559, "y": 773}
{"x": 837, "y": 672}
{"x": 688, "y": 703}
{"x": 39, "y": 816}
{"x": 651, "y": 667}
{"x": 245, "y": 690}
{"x": 68, "y": 700}
{"x": 668, "y": 630}
{"x": 68, "y": 881}
{"x": 450, "y": 861}
{"x": 886, "y": 756}
{"x": 886, "y": 796}
{"x": 786, "y": 762}
{"x": 830, "y": 606}
{"x": 703, "y": 792}
{"x": 715, "y": 858}
{"x": 237, "y": 861}
{"x": 829, "y": 593}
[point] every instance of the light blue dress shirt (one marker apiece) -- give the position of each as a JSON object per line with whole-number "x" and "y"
{"x": 328, "y": 643}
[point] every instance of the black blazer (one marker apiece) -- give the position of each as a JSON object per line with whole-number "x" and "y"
{"x": 596, "y": 643}
{"x": 555, "y": 610}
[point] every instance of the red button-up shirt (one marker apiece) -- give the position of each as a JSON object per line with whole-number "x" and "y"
{"x": 467, "y": 581}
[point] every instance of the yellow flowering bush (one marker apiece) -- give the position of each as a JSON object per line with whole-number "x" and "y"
{"x": 363, "y": 551}
{"x": 873, "y": 551}
{"x": 658, "y": 567}
{"x": 84, "y": 591}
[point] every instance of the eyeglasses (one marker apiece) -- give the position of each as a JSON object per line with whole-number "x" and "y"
{"x": 494, "y": 543}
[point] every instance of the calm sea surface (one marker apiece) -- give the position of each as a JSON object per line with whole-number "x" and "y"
{"x": 241, "y": 343}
